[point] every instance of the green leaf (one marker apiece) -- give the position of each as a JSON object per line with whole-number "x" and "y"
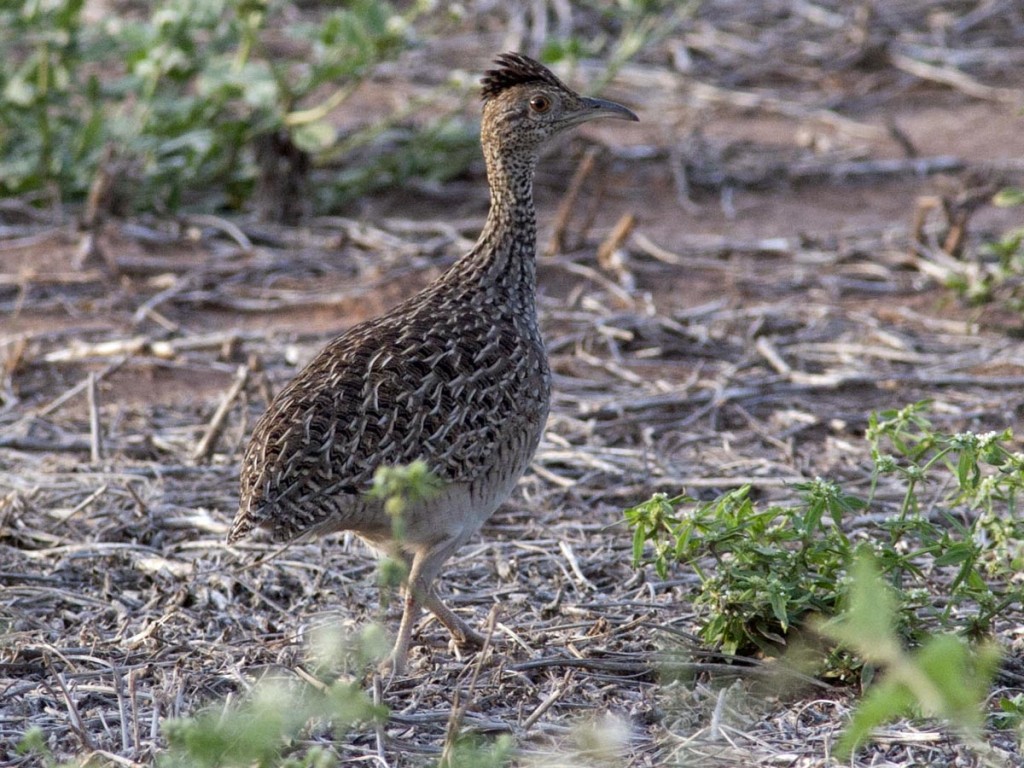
{"x": 19, "y": 92}
{"x": 866, "y": 624}
{"x": 779, "y": 605}
{"x": 955, "y": 553}
{"x": 1009, "y": 197}
{"x": 883, "y": 702}
{"x": 639, "y": 537}
{"x": 315, "y": 137}
{"x": 33, "y": 742}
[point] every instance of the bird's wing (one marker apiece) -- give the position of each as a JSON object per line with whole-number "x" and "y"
{"x": 449, "y": 390}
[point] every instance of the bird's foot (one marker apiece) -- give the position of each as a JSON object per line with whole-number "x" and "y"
{"x": 465, "y": 635}
{"x": 393, "y": 666}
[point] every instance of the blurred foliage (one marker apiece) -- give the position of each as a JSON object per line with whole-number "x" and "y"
{"x": 179, "y": 91}
{"x": 943, "y": 678}
{"x": 996, "y": 274}
{"x": 267, "y": 725}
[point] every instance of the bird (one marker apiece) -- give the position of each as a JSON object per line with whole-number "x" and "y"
{"x": 456, "y": 377}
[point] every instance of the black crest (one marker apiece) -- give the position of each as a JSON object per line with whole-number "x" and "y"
{"x": 516, "y": 69}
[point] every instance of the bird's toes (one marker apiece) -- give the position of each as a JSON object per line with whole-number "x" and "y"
{"x": 468, "y": 637}
{"x": 393, "y": 666}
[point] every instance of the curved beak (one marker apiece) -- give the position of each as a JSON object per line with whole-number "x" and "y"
{"x": 595, "y": 108}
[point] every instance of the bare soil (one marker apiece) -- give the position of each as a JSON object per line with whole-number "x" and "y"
{"x": 771, "y": 294}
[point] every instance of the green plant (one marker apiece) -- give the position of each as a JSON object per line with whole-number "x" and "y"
{"x": 975, "y": 527}
{"x": 33, "y": 742}
{"x": 222, "y": 103}
{"x": 50, "y": 116}
{"x": 771, "y": 567}
{"x": 627, "y": 27}
{"x": 211, "y": 86}
{"x": 1009, "y": 197}
{"x": 998, "y": 273}
{"x": 184, "y": 95}
{"x": 1011, "y": 713}
{"x": 776, "y": 566}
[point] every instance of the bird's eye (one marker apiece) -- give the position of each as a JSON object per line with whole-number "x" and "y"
{"x": 540, "y": 104}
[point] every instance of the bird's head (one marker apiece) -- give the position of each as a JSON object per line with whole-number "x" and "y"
{"x": 526, "y": 104}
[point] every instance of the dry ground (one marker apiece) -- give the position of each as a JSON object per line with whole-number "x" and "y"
{"x": 768, "y": 297}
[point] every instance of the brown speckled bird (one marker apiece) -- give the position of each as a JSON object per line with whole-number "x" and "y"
{"x": 456, "y": 376}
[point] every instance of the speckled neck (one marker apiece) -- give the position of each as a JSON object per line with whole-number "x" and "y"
{"x": 504, "y": 257}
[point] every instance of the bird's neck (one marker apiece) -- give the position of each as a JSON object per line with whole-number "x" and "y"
{"x": 504, "y": 256}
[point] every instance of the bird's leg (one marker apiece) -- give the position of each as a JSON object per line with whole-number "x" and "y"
{"x": 400, "y": 653}
{"x": 425, "y": 566}
{"x": 461, "y": 631}
{"x": 395, "y": 663}
{"x": 419, "y": 591}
